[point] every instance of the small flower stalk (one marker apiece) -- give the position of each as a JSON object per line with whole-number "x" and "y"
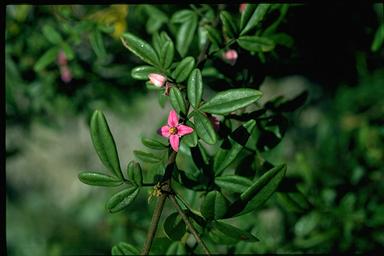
{"x": 231, "y": 56}
{"x": 65, "y": 72}
{"x": 157, "y": 80}
{"x": 174, "y": 130}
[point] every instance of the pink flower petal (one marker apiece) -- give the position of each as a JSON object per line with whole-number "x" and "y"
{"x": 174, "y": 140}
{"x": 173, "y": 120}
{"x": 157, "y": 79}
{"x": 165, "y": 131}
{"x": 183, "y": 130}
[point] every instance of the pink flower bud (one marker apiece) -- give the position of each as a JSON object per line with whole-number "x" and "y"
{"x": 61, "y": 58}
{"x": 231, "y": 56}
{"x": 157, "y": 79}
{"x": 242, "y": 7}
{"x": 66, "y": 75}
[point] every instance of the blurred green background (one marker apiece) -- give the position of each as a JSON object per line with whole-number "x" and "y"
{"x": 334, "y": 146}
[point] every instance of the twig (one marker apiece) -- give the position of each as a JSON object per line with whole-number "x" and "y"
{"x": 154, "y": 223}
{"x": 189, "y": 224}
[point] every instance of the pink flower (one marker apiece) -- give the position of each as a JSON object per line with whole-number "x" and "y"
{"x": 174, "y": 130}
{"x": 231, "y": 56}
{"x": 157, "y": 79}
{"x": 242, "y": 7}
{"x": 66, "y": 75}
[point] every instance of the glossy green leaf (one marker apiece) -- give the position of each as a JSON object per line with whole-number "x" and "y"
{"x": 176, "y": 248}
{"x": 229, "y": 24}
{"x": 51, "y": 34}
{"x": 153, "y": 144}
{"x": 204, "y": 128}
{"x": 182, "y": 16}
{"x": 223, "y": 233}
{"x": 214, "y": 36}
{"x": 256, "y": 43}
{"x": 99, "y": 179}
{"x": 233, "y": 183}
{"x": 195, "y": 88}
{"x": 230, "y": 100}
{"x": 124, "y": 249}
{"x": 122, "y": 199}
{"x": 223, "y": 158}
{"x": 183, "y": 69}
{"x": 147, "y": 157}
{"x": 142, "y": 72}
{"x": 257, "y": 194}
{"x": 104, "y": 143}
{"x": 47, "y": 58}
{"x": 256, "y": 18}
{"x": 174, "y": 227}
{"x": 246, "y": 14}
{"x": 214, "y": 206}
{"x": 177, "y": 100}
{"x": 97, "y": 44}
{"x": 190, "y": 139}
{"x": 185, "y": 34}
{"x": 166, "y": 54}
{"x": 140, "y": 48}
{"x": 134, "y": 173}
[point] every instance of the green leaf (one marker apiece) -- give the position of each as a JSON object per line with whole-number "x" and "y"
{"x": 246, "y": 14}
{"x": 256, "y": 18}
{"x": 224, "y": 233}
{"x": 256, "y": 43}
{"x": 174, "y": 227}
{"x": 177, "y": 100}
{"x": 155, "y": 20}
{"x": 176, "y": 248}
{"x": 68, "y": 51}
{"x": 142, "y": 72}
{"x": 134, "y": 173}
{"x": 204, "y": 128}
{"x": 378, "y": 40}
{"x": 229, "y": 24}
{"x": 51, "y": 34}
{"x": 214, "y": 36}
{"x": 97, "y": 44}
{"x": 122, "y": 199}
{"x": 166, "y": 54}
{"x": 183, "y": 69}
{"x": 257, "y": 194}
{"x": 153, "y": 144}
{"x": 195, "y": 88}
{"x": 190, "y": 139}
{"x": 185, "y": 34}
{"x": 140, "y": 48}
{"x": 233, "y": 183}
{"x": 124, "y": 249}
{"x": 230, "y": 100}
{"x": 214, "y": 206}
{"x": 182, "y": 16}
{"x": 99, "y": 179}
{"x": 146, "y": 157}
{"x": 223, "y": 158}
{"x": 47, "y": 58}
{"x": 294, "y": 201}
{"x": 104, "y": 143}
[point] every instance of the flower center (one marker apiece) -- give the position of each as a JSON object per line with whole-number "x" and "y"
{"x": 173, "y": 130}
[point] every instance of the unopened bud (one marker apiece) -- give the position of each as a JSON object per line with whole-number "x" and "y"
{"x": 66, "y": 75}
{"x": 242, "y": 7}
{"x": 157, "y": 79}
{"x": 231, "y": 56}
